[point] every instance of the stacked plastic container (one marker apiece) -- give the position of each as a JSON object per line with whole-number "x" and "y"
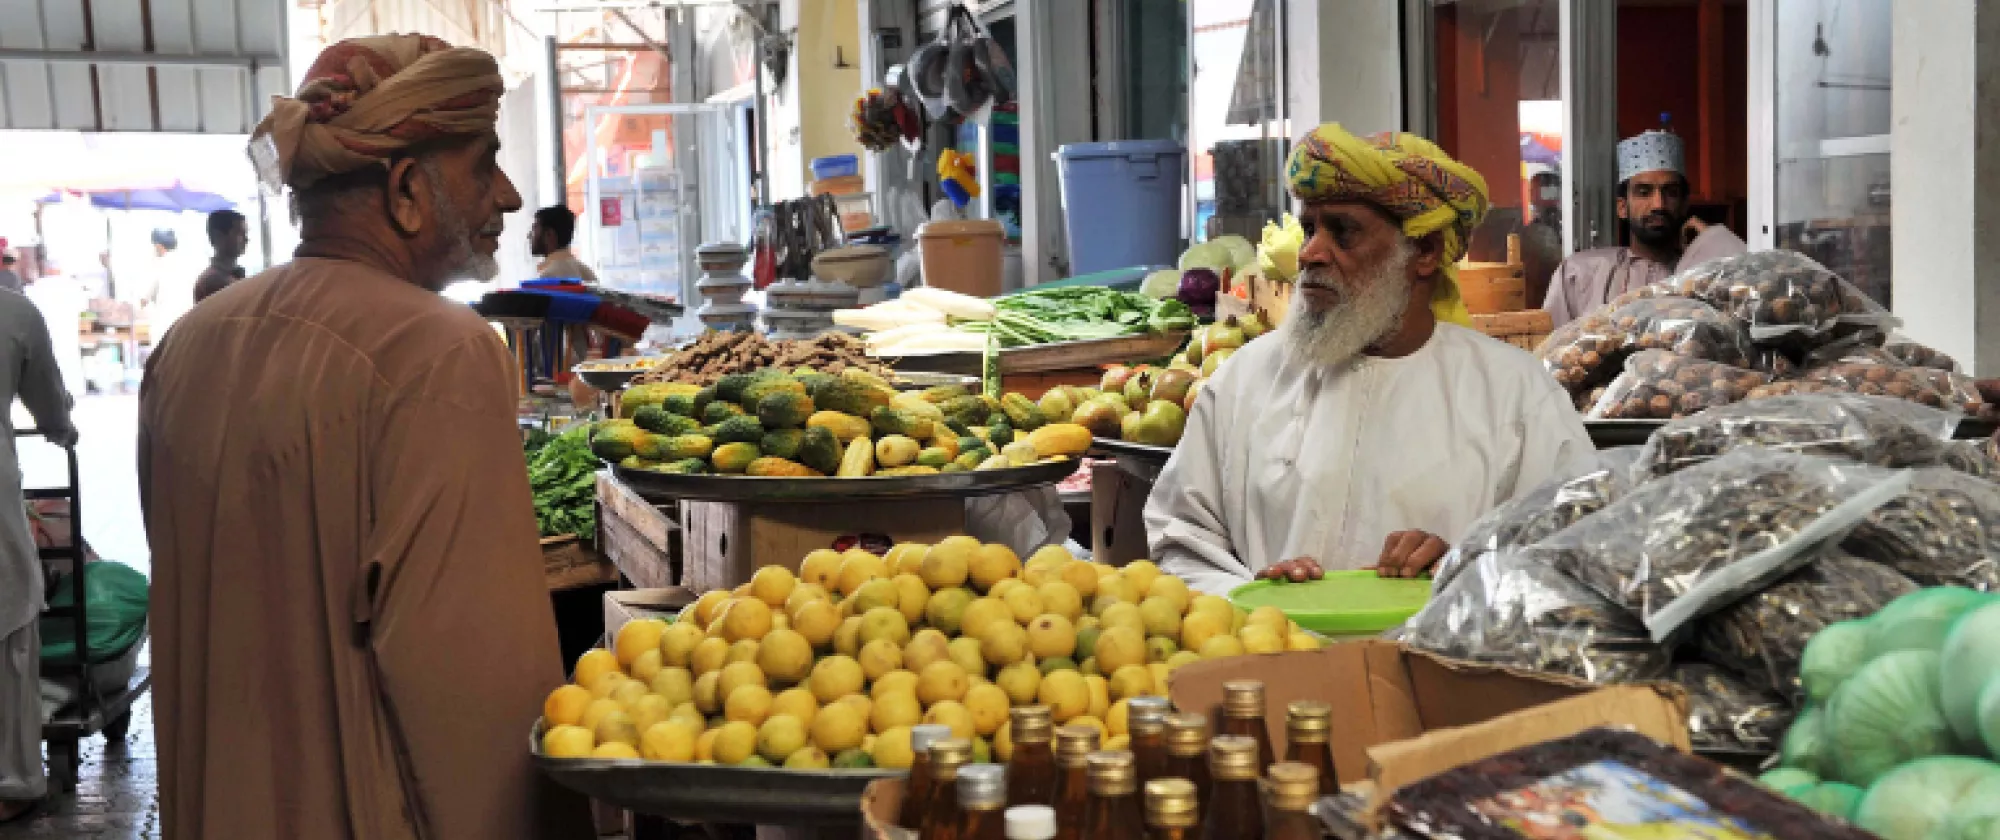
{"x": 723, "y": 286}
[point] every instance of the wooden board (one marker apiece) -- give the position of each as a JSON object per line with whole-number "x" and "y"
{"x": 1066, "y": 355}
{"x": 726, "y": 542}
{"x": 570, "y": 563}
{"x": 640, "y": 539}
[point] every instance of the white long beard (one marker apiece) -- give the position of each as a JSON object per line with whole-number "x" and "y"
{"x": 464, "y": 262}
{"x": 1370, "y": 309}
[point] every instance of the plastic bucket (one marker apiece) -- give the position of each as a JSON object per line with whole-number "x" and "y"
{"x": 1122, "y": 203}
{"x": 962, "y": 257}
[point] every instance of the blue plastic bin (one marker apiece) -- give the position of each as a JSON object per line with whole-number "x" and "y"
{"x": 835, "y": 166}
{"x": 1122, "y": 203}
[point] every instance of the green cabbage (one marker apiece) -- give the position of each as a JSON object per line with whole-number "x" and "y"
{"x": 1989, "y": 717}
{"x": 1887, "y": 714}
{"x": 1242, "y": 254}
{"x": 1918, "y": 621}
{"x": 1212, "y": 254}
{"x": 1805, "y": 746}
{"x": 1785, "y": 780}
{"x": 1969, "y": 660}
{"x": 1831, "y": 657}
{"x": 1975, "y": 817}
{"x": 1835, "y": 798}
{"x": 1912, "y": 801}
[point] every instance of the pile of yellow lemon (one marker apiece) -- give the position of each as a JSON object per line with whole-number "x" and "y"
{"x": 832, "y": 666}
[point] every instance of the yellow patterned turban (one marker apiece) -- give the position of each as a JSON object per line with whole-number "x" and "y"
{"x": 1407, "y": 176}
{"x": 364, "y": 100}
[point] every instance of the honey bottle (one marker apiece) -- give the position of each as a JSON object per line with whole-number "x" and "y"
{"x": 1171, "y": 810}
{"x": 1308, "y": 741}
{"x": 1032, "y": 768}
{"x": 1234, "y": 810}
{"x": 922, "y": 784}
{"x": 1147, "y": 720}
{"x": 1243, "y": 716}
{"x": 1074, "y": 744}
{"x": 1115, "y": 812}
{"x": 942, "y": 816}
{"x": 1292, "y": 789}
{"x": 1187, "y": 753}
{"x": 982, "y": 802}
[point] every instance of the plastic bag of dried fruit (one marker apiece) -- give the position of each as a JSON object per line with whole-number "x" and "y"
{"x": 1761, "y": 638}
{"x": 1942, "y": 531}
{"x": 1531, "y": 516}
{"x": 1874, "y": 372}
{"x": 1880, "y": 431}
{"x": 1679, "y": 547}
{"x": 1584, "y": 354}
{"x": 1781, "y": 295}
{"x": 1684, "y": 326}
{"x": 1507, "y": 607}
{"x": 1659, "y": 385}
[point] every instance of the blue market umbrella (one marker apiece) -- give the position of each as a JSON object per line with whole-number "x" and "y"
{"x": 177, "y": 199}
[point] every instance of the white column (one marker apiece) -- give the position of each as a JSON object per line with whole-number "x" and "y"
{"x": 1053, "y": 72}
{"x": 1345, "y": 64}
{"x": 1945, "y": 167}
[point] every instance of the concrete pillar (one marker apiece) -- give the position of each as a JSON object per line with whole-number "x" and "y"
{"x": 1053, "y": 40}
{"x": 1346, "y": 65}
{"x": 1945, "y": 167}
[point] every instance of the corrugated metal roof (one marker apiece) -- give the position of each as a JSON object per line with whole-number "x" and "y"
{"x": 200, "y": 66}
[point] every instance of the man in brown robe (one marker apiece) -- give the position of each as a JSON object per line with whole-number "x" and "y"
{"x": 350, "y": 630}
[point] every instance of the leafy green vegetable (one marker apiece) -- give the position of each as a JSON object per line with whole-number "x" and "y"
{"x": 1887, "y": 714}
{"x": 1079, "y": 313}
{"x": 1915, "y": 799}
{"x": 563, "y": 476}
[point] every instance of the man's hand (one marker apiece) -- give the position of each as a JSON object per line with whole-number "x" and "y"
{"x": 1408, "y": 554}
{"x": 1296, "y": 570}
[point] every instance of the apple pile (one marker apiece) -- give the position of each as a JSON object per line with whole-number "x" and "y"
{"x": 1148, "y": 404}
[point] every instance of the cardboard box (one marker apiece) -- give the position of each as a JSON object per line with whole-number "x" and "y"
{"x": 628, "y": 604}
{"x": 1118, "y": 515}
{"x": 1384, "y": 694}
{"x": 725, "y": 542}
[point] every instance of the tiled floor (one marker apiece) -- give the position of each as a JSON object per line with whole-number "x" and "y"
{"x": 117, "y": 795}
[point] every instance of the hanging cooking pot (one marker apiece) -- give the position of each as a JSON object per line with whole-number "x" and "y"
{"x": 926, "y": 77}
{"x": 979, "y": 74}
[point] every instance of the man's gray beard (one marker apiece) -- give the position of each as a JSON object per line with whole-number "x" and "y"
{"x": 1360, "y": 320}
{"x": 463, "y": 263}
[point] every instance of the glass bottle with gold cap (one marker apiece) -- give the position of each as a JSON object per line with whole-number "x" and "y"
{"x": 1031, "y": 822}
{"x": 922, "y": 785}
{"x": 941, "y": 820}
{"x": 1309, "y": 741}
{"x": 1243, "y": 716}
{"x": 1293, "y": 788}
{"x": 1147, "y": 719}
{"x": 1032, "y": 767}
{"x": 982, "y": 802}
{"x": 1234, "y": 809}
{"x": 1074, "y": 744}
{"x": 1187, "y": 753}
{"x": 1115, "y": 812}
{"x": 1171, "y": 810}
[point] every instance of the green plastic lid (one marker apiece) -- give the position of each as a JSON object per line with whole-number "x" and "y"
{"x": 1351, "y": 603}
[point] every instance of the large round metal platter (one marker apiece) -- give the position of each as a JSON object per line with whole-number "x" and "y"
{"x": 610, "y": 378}
{"x": 714, "y": 793}
{"x": 661, "y": 487}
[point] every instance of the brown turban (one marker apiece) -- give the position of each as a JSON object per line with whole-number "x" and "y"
{"x": 366, "y": 99}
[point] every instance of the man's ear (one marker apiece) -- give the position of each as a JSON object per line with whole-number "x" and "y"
{"x": 1430, "y": 254}
{"x": 404, "y": 194}
{"x": 1623, "y": 211}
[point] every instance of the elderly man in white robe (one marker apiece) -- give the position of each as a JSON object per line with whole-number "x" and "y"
{"x": 1666, "y": 236}
{"x": 1373, "y": 427}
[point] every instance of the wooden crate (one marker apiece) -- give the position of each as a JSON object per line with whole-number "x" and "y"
{"x": 570, "y": 563}
{"x": 640, "y": 539}
{"x": 726, "y": 542}
{"x": 1526, "y": 329}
